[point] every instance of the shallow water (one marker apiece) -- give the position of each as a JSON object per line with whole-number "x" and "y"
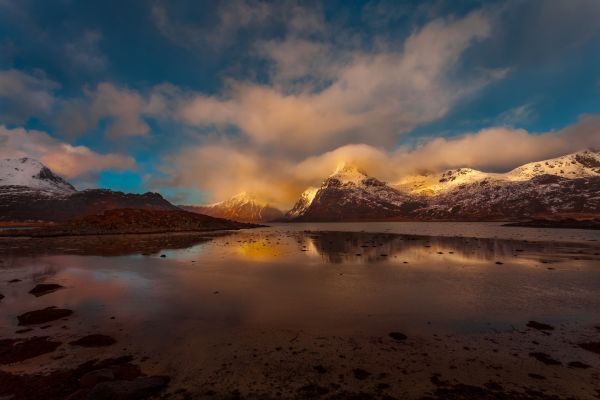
{"x": 215, "y": 296}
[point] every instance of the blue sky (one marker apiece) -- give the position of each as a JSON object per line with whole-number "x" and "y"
{"x": 200, "y": 100}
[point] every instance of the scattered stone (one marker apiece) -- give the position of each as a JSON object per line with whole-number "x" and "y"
{"x": 361, "y": 374}
{"x": 16, "y": 350}
{"x": 1, "y": 296}
{"x": 540, "y": 326}
{"x": 14, "y": 281}
{"x": 320, "y": 369}
{"x": 499, "y": 263}
{"x": 579, "y": 364}
{"x": 45, "y": 288}
{"x": 594, "y": 347}
{"x": 139, "y": 388}
{"x": 544, "y": 358}
{"x": 43, "y": 316}
{"x": 398, "y": 336}
{"x": 312, "y": 391}
{"x": 163, "y": 256}
{"x": 95, "y": 340}
{"x": 536, "y": 376}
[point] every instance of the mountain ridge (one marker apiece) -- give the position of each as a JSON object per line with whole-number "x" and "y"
{"x": 566, "y": 184}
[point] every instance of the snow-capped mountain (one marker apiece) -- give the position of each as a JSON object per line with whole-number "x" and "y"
{"x": 350, "y": 194}
{"x": 584, "y": 164}
{"x": 30, "y": 173}
{"x": 564, "y": 185}
{"x": 305, "y": 200}
{"x": 31, "y": 191}
{"x": 242, "y": 207}
{"x": 489, "y": 199}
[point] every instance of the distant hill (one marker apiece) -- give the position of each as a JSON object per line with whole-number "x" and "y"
{"x": 242, "y": 207}
{"x": 31, "y": 191}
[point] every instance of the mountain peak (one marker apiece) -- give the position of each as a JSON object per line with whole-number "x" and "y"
{"x": 346, "y": 173}
{"x": 33, "y": 174}
{"x": 243, "y": 206}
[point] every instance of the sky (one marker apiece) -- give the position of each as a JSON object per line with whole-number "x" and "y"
{"x": 200, "y": 100}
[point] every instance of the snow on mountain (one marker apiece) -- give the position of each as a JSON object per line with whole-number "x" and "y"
{"x": 582, "y": 164}
{"x": 31, "y": 191}
{"x": 31, "y": 174}
{"x": 564, "y": 185}
{"x": 305, "y": 200}
{"x": 243, "y": 207}
{"x": 349, "y": 194}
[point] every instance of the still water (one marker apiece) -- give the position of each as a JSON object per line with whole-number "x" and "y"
{"x": 185, "y": 301}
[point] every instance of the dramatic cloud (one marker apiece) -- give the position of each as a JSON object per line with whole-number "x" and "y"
{"x": 226, "y": 169}
{"x": 84, "y": 53}
{"x": 231, "y": 18}
{"x": 384, "y": 92}
{"x": 122, "y": 108}
{"x": 23, "y": 96}
{"x": 72, "y": 162}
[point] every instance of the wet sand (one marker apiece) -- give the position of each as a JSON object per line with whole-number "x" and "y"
{"x": 275, "y": 313}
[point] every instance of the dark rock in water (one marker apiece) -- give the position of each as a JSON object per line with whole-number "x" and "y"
{"x": 14, "y": 281}
{"x": 594, "y": 347}
{"x": 398, "y": 336}
{"x": 95, "y": 340}
{"x": 45, "y": 288}
{"x": 361, "y": 374}
{"x": 312, "y": 391}
{"x": 545, "y": 358}
{"x": 43, "y": 316}
{"x": 65, "y": 384}
{"x": 1, "y": 296}
{"x": 92, "y": 378}
{"x": 540, "y": 326}
{"x": 320, "y": 369}
{"x": 139, "y": 388}
{"x": 163, "y": 255}
{"x": 578, "y": 364}
{"x": 16, "y": 350}
{"x": 536, "y": 376}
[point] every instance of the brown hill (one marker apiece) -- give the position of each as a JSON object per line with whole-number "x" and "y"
{"x": 131, "y": 221}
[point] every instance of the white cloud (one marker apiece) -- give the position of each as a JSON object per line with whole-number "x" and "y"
{"x": 224, "y": 169}
{"x": 124, "y": 109}
{"x": 72, "y": 162}
{"x": 386, "y": 92}
{"x": 25, "y": 95}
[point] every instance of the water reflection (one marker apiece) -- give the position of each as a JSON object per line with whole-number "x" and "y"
{"x": 109, "y": 245}
{"x": 233, "y": 298}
